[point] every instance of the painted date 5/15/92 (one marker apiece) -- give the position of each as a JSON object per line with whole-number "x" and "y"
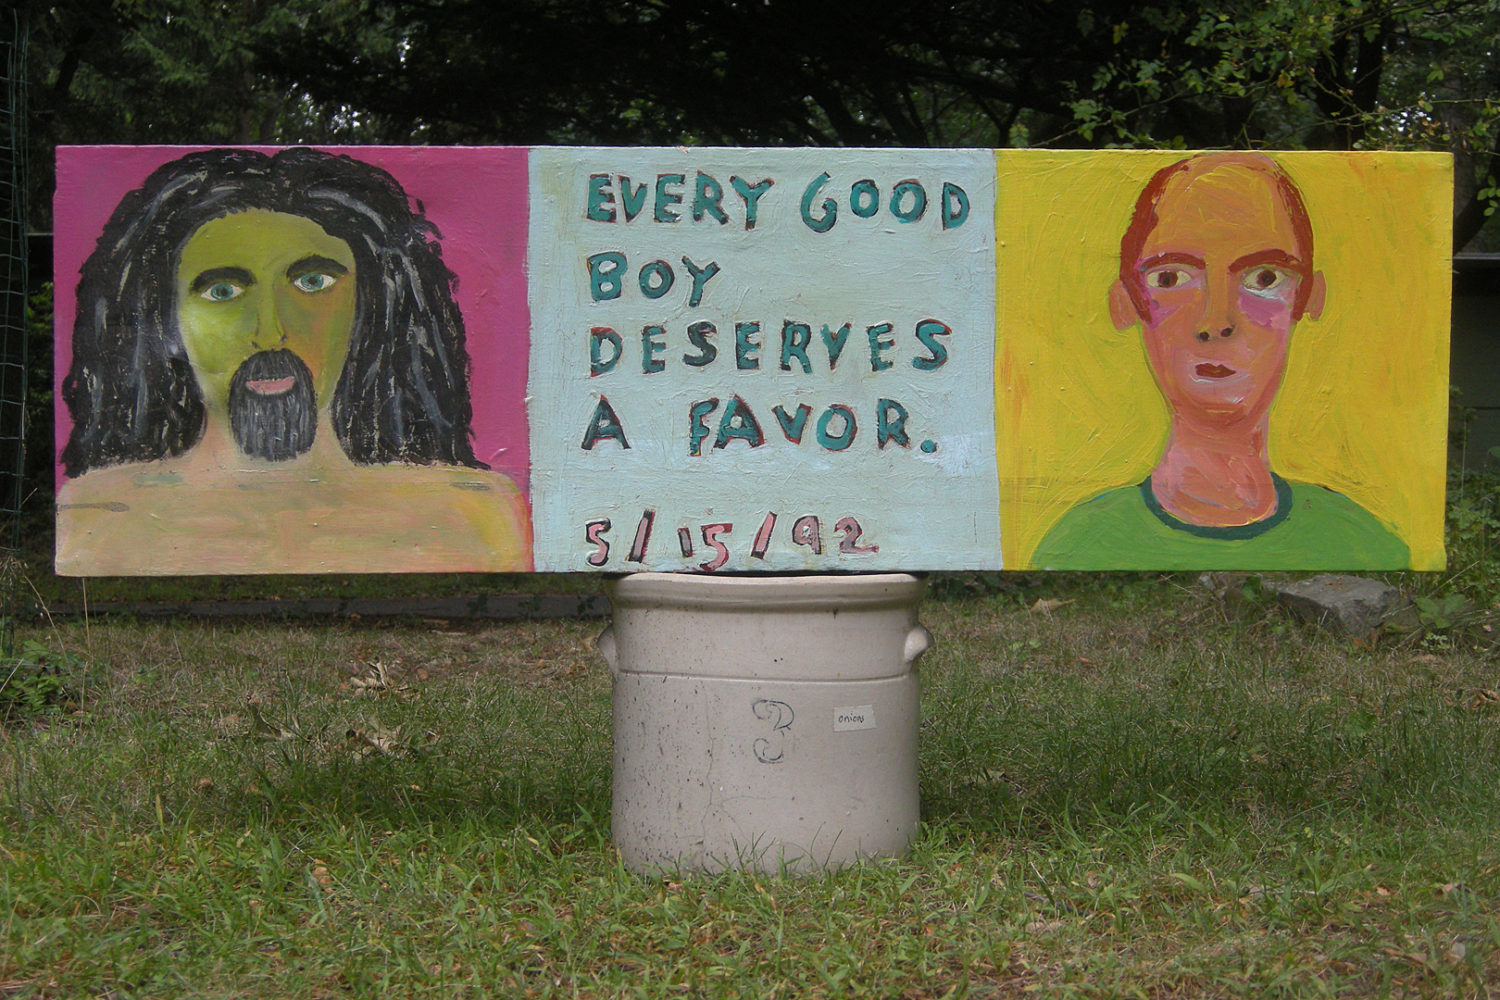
{"x": 713, "y": 539}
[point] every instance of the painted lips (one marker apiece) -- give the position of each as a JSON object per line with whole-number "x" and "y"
{"x": 1209, "y": 370}
{"x": 270, "y": 386}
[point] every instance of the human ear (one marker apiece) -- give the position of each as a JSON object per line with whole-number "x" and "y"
{"x": 1122, "y": 307}
{"x": 1315, "y": 296}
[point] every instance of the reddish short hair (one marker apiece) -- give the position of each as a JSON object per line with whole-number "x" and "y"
{"x": 1145, "y": 218}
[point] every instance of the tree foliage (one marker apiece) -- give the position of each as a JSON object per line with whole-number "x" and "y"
{"x": 171, "y": 71}
{"x": 1327, "y": 74}
{"x": 1316, "y": 74}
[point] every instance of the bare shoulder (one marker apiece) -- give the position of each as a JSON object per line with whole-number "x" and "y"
{"x": 108, "y": 486}
{"x": 152, "y": 518}
{"x": 455, "y": 477}
{"x": 456, "y": 488}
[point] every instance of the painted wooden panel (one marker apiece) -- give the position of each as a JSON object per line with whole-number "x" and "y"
{"x": 430, "y": 359}
{"x": 754, "y": 357}
{"x": 176, "y": 457}
{"x": 1306, "y": 429}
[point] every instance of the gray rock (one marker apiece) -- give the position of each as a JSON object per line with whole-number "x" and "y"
{"x": 1348, "y": 605}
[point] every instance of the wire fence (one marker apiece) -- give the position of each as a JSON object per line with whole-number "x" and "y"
{"x": 13, "y": 330}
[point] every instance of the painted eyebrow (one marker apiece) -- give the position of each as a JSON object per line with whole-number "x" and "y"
{"x": 315, "y": 262}
{"x": 1171, "y": 257}
{"x": 1261, "y": 258}
{"x": 214, "y": 275}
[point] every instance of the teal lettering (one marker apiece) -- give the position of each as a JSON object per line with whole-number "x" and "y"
{"x": 651, "y": 346}
{"x": 604, "y": 274}
{"x": 707, "y": 193}
{"x": 890, "y": 423}
{"x": 835, "y": 340}
{"x": 601, "y": 199}
{"x": 845, "y": 436}
{"x": 864, "y": 198}
{"x": 598, "y": 337}
{"x": 794, "y": 340}
{"x": 700, "y": 276}
{"x": 697, "y": 430}
{"x": 656, "y": 279}
{"x": 698, "y": 334}
{"x": 879, "y": 343}
{"x": 918, "y": 200}
{"x": 745, "y": 348}
{"x": 663, "y": 211}
{"x": 792, "y": 424}
{"x": 632, "y": 201}
{"x": 830, "y": 215}
{"x": 928, "y": 330}
{"x": 739, "y": 424}
{"x": 604, "y": 425}
{"x": 751, "y": 194}
{"x": 955, "y": 205}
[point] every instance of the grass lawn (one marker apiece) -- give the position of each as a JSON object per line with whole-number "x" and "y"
{"x": 1133, "y": 793}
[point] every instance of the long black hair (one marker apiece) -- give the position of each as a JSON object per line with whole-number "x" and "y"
{"x": 403, "y": 395}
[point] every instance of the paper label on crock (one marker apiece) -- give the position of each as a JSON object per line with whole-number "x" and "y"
{"x": 848, "y": 718}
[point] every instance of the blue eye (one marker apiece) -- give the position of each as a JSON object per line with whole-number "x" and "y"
{"x": 313, "y": 282}
{"x": 222, "y": 291}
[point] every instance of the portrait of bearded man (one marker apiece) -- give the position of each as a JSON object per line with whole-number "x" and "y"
{"x": 270, "y": 373}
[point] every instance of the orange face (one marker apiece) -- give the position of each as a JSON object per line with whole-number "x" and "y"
{"x": 1217, "y": 285}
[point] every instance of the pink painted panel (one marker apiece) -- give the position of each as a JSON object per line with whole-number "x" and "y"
{"x": 408, "y": 496}
{"x": 477, "y": 199}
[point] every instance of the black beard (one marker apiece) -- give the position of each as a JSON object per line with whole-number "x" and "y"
{"x": 279, "y": 426}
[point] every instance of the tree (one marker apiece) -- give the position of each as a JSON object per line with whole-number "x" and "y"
{"x": 172, "y": 71}
{"x": 1318, "y": 74}
{"x": 1328, "y": 74}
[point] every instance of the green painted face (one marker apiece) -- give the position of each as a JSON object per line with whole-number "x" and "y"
{"x": 263, "y": 281}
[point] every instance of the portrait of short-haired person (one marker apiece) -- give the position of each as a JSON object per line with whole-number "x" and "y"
{"x": 1217, "y": 269}
{"x": 270, "y": 373}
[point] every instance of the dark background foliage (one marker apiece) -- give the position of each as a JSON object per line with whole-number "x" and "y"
{"x": 1321, "y": 74}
